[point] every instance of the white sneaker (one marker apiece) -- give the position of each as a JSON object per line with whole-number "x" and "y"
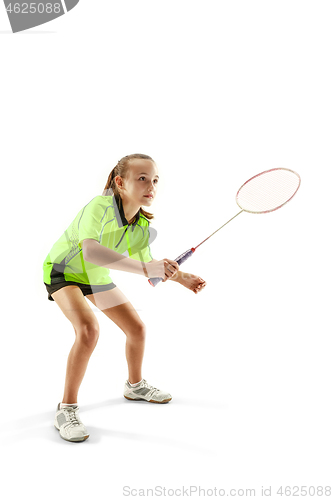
{"x": 68, "y": 422}
{"x": 146, "y": 392}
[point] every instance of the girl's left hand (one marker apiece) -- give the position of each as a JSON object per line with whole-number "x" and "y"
{"x": 194, "y": 283}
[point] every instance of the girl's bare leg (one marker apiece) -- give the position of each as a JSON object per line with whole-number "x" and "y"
{"x": 73, "y": 304}
{"x": 117, "y": 307}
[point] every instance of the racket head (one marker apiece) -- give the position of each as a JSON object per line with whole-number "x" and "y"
{"x": 268, "y": 191}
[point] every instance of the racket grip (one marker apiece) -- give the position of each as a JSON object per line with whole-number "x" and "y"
{"x": 184, "y": 256}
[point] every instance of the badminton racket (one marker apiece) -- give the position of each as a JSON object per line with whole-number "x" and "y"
{"x": 263, "y": 193}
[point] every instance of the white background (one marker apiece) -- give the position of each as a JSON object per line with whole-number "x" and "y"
{"x": 215, "y": 92}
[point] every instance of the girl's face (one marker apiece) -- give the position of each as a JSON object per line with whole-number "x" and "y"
{"x": 142, "y": 180}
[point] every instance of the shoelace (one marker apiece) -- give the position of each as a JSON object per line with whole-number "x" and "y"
{"x": 150, "y": 387}
{"x": 73, "y": 420}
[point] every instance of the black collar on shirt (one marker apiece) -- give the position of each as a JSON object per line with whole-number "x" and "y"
{"x": 120, "y": 215}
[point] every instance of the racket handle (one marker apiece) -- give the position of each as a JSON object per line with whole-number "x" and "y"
{"x": 184, "y": 256}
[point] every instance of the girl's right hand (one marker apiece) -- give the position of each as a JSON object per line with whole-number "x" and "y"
{"x": 165, "y": 269}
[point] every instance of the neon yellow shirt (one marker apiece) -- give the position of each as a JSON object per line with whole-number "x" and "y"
{"x": 102, "y": 220}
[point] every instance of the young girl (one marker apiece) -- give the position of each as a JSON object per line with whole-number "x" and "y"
{"x": 78, "y": 265}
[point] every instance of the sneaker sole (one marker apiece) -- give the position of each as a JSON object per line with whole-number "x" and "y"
{"x": 151, "y": 401}
{"x": 74, "y": 440}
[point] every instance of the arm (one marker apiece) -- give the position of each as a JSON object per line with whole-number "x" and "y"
{"x": 190, "y": 281}
{"x": 105, "y": 257}
{"x": 179, "y": 277}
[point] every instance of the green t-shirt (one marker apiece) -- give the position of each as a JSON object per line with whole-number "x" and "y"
{"x": 102, "y": 220}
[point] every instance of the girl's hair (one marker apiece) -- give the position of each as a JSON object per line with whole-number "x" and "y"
{"x": 121, "y": 169}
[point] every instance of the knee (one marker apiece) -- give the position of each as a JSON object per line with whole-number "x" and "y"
{"x": 137, "y": 333}
{"x": 88, "y": 335}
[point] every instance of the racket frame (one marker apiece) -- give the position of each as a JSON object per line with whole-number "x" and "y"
{"x": 265, "y": 172}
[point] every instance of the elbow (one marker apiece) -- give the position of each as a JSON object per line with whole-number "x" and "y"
{"x": 86, "y": 249}
{"x": 85, "y": 255}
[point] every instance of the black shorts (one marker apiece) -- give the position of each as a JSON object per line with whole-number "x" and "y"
{"x": 85, "y": 289}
